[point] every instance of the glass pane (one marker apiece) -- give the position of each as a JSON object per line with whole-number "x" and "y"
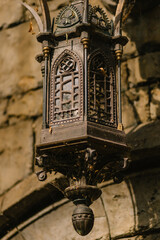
{"x": 66, "y": 106}
{"x": 66, "y": 78}
{"x": 67, "y": 86}
{"x": 66, "y": 96}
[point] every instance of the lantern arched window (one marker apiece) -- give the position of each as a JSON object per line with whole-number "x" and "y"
{"x": 101, "y": 94}
{"x": 66, "y": 89}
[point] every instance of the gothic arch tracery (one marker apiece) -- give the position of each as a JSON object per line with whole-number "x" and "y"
{"x": 66, "y": 88}
{"x": 101, "y": 94}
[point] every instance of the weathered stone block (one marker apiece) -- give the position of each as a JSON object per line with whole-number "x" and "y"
{"x": 145, "y": 189}
{"x": 27, "y": 83}
{"x": 110, "y": 4}
{"x": 124, "y": 74}
{"x": 142, "y": 104}
{"x": 28, "y": 105}
{"x": 37, "y": 126}
{"x": 134, "y": 71}
{"x": 130, "y": 49}
{"x": 12, "y": 120}
{"x": 145, "y": 30}
{"x": 3, "y": 115}
{"x": 128, "y": 115}
{"x": 11, "y": 12}
{"x": 155, "y": 95}
{"x": 16, "y": 152}
{"x": 119, "y": 208}
{"x": 32, "y": 2}
{"x": 146, "y": 136}
{"x": 98, "y": 208}
{"x": 132, "y": 94}
{"x": 149, "y": 65}
{"x": 153, "y": 236}
{"x": 54, "y": 5}
{"x": 17, "y": 60}
{"x": 155, "y": 103}
{"x": 143, "y": 68}
{"x": 124, "y": 238}
{"x": 96, "y": 3}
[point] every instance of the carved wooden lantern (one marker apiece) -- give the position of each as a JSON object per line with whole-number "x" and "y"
{"x": 82, "y": 135}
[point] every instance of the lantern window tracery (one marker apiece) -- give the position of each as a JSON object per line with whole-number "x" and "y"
{"x": 66, "y": 87}
{"x": 100, "y": 90}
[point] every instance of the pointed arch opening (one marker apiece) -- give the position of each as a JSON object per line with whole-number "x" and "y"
{"x": 101, "y": 90}
{"x": 66, "y": 89}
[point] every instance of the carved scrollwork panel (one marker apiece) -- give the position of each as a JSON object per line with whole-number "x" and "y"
{"x": 99, "y": 18}
{"x": 68, "y": 17}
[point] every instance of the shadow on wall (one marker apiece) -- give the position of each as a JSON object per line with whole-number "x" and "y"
{"x": 143, "y": 26}
{"x": 145, "y": 194}
{"x": 141, "y": 78}
{"x": 143, "y": 91}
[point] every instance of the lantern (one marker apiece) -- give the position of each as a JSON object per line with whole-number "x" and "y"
{"x": 82, "y": 135}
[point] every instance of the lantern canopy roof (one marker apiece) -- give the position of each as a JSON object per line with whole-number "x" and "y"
{"x": 70, "y": 19}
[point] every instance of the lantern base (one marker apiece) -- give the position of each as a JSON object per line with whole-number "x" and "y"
{"x": 83, "y": 196}
{"x": 64, "y": 150}
{"x": 110, "y": 140}
{"x": 75, "y": 192}
{"x": 83, "y": 219}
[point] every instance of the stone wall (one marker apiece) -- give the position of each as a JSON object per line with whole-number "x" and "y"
{"x": 20, "y": 124}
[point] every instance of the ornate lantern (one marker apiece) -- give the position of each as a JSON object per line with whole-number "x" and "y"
{"x": 82, "y": 135}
